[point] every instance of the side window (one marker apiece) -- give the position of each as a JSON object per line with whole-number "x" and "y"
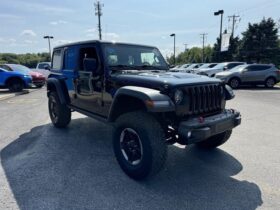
{"x": 88, "y": 52}
{"x": 232, "y": 65}
{"x": 56, "y": 61}
{"x": 263, "y": 67}
{"x": 70, "y": 58}
{"x": 5, "y": 67}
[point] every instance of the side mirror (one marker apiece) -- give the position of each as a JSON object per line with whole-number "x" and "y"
{"x": 47, "y": 68}
{"x": 225, "y": 68}
{"x": 90, "y": 65}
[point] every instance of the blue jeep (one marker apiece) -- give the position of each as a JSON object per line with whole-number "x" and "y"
{"x": 14, "y": 81}
{"x": 130, "y": 87}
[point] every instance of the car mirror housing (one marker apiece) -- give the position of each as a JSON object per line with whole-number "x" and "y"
{"x": 90, "y": 65}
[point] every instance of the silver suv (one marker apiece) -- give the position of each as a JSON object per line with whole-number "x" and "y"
{"x": 266, "y": 74}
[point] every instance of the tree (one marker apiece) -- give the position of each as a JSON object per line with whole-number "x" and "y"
{"x": 260, "y": 42}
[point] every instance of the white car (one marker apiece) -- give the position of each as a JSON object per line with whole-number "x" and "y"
{"x": 43, "y": 68}
{"x": 211, "y": 72}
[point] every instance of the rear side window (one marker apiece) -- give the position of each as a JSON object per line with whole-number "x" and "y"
{"x": 56, "y": 61}
{"x": 258, "y": 67}
{"x": 70, "y": 58}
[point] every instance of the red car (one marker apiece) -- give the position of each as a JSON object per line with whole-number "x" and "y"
{"x": 38, "y": 79}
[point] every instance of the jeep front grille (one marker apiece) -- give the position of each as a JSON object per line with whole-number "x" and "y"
{"x": 204, "y": 99}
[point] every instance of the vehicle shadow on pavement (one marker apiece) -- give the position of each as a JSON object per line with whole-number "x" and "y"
{"x": 75, "y": 168}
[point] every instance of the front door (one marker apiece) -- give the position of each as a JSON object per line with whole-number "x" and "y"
{"x": 88, "y": 87}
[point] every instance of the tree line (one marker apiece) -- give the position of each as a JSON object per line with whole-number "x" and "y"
{"x": 260, "y": 43}
{"x": 30, "y": 59}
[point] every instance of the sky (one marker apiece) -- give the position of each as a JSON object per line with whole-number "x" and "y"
{"x": 23, "y": 23}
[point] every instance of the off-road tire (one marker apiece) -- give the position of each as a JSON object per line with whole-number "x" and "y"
{"x": 234, "y": 83}
{"x": 15, "y": 85}
{"x": 153, "y": 144}
{"x": 59, "y": 113}
{"x": 215, "y": 141}
{"x": 270, "y": 82}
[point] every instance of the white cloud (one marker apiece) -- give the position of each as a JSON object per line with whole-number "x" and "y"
{"x": 30, "y": 41}
{"x": 9, "y": 16}
{"x": 58, "y": 22}
{"x": 90, "y": 30}
{"x": 61, "y": 41}
{"x": 111, "y": 36}
{"x": 7, "y": 41}
{"x": 91, "y": 35}
{"x": 28, "y": 32}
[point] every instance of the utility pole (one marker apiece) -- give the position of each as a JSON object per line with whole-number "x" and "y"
{"x": 98, "y": 12}
{"x": 186, "y": 47}
{"x": 49, "y": 38}
{"x": 233, "y": 23}
{"x": 203, "y": 44}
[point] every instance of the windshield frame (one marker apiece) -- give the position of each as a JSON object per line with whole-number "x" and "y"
{"x": 121, "y": 67}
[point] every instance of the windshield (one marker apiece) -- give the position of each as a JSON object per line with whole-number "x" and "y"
{"x": 220, "y": 65}
{"x": 206, "y": 65}
{"x": 133, "y": 57}
{"x": 191, "y": 66}
{"x": 19, "y": 68}
{"x": 238, "y": 68}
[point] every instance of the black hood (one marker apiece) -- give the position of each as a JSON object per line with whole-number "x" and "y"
{"x": 160, "y": 80}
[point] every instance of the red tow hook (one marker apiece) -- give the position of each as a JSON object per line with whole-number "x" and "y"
{"x": 201, "y": 119}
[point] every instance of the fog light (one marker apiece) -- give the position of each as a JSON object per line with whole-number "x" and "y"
{"x": 189, "y": 134}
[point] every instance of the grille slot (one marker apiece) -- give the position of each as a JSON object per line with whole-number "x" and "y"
{"x": 204, "y": 99}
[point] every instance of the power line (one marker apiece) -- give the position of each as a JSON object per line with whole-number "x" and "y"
{"x": 233, "y": 23}
{"x": 204, "y": 35}
{"x": 98, "y": 12}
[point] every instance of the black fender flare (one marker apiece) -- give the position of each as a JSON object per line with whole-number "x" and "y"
{"x": 153, "y": 100}
{"x": 57, "y": 84}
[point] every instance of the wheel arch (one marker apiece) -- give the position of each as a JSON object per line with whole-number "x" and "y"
{"x": 59, "y": 86}
{"x": 131, "y": 98}
{"x": 13, "y": 78}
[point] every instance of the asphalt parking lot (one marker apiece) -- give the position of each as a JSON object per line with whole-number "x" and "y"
{"x": 46, "y": 168}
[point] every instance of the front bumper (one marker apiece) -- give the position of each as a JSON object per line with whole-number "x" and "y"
{"x": 199, "y": 129}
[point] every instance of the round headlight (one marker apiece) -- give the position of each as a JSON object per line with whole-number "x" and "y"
{"x": 178, "y": 96}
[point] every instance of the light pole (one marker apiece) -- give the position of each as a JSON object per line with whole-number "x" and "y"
{"x": 220, "y": 12}
{"x": 174, "y": 35}
{"x": 49, "y": 38}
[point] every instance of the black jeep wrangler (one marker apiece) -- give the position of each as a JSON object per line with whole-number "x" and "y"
{"x": 130, "y": 87}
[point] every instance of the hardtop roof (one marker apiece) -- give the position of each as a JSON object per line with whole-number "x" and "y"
{"x": 99, "y": 42}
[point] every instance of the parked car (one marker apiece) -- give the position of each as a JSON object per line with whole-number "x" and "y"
{"x": 180, "y": 68}
{"x": 38, "y": 79}
{"x": 43, "y": 68}
{"x": 193, "y": 67}
{"x": 130, "y": 87}
{"x": 44, "y": 65}
{"x": 14, "y": 81}
{"x": 211, "y": 72}
{"x": 203, "y": 67}
{"x": 266, "y": 74}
